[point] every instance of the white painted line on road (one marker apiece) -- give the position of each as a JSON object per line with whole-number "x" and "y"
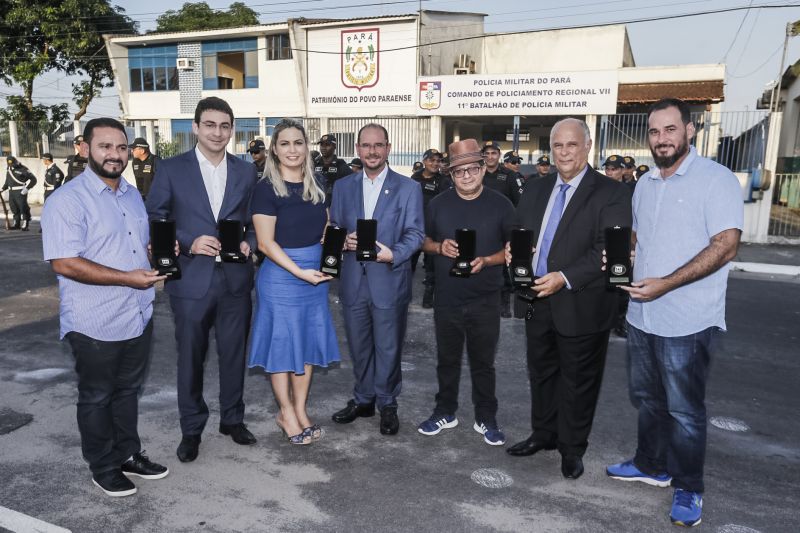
{"x": 492, "y": 478}
{"x": 766, "y": 268}
{"x": 734, "y": 528}
{"x": 729, "y": 424}
{"x": 22, "y": 523}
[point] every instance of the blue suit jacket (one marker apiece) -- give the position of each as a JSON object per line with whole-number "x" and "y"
{"x": 178, "y": 193}
{"x": 400, "y": 227}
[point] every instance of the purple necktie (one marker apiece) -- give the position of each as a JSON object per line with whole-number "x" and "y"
{"x": 550, "y": 230}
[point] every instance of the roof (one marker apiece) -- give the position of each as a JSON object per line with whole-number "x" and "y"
{"x": 692, "y": 92}
{"x": 153, "y": 37}
{"x": 319, "y": 22}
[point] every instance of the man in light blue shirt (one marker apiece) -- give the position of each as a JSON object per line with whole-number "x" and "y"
{"x": 95, "y": 235}
{"x": 687, "y": 220}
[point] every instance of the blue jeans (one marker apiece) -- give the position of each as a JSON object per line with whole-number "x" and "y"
{"x": 667, "y": 377}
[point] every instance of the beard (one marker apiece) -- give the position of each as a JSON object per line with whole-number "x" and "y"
{"x": 667, "y": 161}
{"x": 98, "y": 169}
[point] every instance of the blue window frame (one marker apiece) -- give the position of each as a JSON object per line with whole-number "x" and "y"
{"x": 153, "y": 68}
{"x": 182, "y": 134}
{"x": 230, "y": 64}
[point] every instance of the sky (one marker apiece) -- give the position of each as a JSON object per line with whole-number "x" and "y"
{"x": 749, "y": 42}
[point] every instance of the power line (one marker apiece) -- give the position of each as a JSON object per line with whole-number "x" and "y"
{"x": 530, "y": 31}
{"x": 735, "y": 35}
{"x": 762, "y": 65}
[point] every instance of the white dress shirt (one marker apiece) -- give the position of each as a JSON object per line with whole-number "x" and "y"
{"x": 372, "y": 191}
{"x": 215, "y": 178}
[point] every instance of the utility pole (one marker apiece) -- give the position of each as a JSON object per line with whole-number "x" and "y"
{"x": 792, "y": 29}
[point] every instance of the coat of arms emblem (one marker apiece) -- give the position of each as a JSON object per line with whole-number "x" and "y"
{"x": 430, "y": 95}
{"x": 360, "y": 58}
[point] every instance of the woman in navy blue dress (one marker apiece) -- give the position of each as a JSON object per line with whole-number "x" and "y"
{"x": 293, "y": 330}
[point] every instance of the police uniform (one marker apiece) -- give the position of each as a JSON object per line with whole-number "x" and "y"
{"x": 143, "y": 170}
{"x": 76, "y": 164}
{"x": 332, "y": 171}
{"x": 502, "y": 180}
{"x": 543, "y": 160}
{"x": 53, "y": 177}
{"x": 19, "y": 181}
{"x": 431, "y": 187}
{"x": 255, "y": 146}
{"x": 518, "y": 179}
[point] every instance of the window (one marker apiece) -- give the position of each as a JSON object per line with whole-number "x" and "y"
{"x": 246, "y": 129}
{"x": 182, "y": 134}
{"x": 153, "y": 68}
{"x": 278, "y": 47}
{"x": 231, "y": 64}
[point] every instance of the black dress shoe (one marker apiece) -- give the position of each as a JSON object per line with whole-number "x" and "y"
{"x": 529, "y": 447}
{"x": 390, "y": 424}
{"x": 353, "y": 411}
{"x": 238, "y": 432}
{"x": 188, "y": 448}
{"x": 571, "y": 467}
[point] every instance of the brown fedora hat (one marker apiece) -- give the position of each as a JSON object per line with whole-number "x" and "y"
{"x": 464, "y": 152}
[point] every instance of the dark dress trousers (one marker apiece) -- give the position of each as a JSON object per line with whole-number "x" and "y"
{"x": 568, "y": 332}
{"x": 209, "y": 293}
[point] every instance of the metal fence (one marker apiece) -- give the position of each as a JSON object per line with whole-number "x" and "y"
{"x": 409, "y": 136}
{"x": 736, "y": 139}
{"x": 784, "y": 217}
{"x": 35, "y": 139}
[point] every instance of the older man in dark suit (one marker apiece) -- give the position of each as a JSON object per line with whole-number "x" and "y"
{"x": 197, "y": 189}
{"x": 570, "y": 311}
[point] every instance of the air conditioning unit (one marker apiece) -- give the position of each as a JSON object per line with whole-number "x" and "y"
{"x": 184, "y": 63}
{"x": 461, "y": 71}
{"x": 465, "y": 65}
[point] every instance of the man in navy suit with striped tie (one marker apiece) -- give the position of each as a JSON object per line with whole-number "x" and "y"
{"x": 198, "y": 189}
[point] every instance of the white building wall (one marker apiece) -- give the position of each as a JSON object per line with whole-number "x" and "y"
{"x": 440, "y": 59}
{"x": 599, "y": 48}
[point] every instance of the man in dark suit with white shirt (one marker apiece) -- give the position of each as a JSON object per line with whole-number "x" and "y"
{"x": 199, "y": 188}
{"x": 570, "y": 312}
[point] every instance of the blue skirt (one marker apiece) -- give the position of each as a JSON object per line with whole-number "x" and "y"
{"x": 293, "y": 325}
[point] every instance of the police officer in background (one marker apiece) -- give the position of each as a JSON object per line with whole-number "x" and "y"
{"x": 640, "y": 171}
{"x": 258, "y": 151}
{"x": 432, "y": 183}
{"x": 356, "y": 165}
{"x": 328, "y": 164}
{"x": 143, "y": 165}
{"x": 613, "y": 167}
{"x": 19, "y": 181}
{"x": 498, "y": 177}
{"x": 512, "y": 162}
{"x": 628, "y": 167}
{"x": 417, "y": 167}
{"x": 502, "y": 180}
{"x": 53, "y": 176}
{"x": 76, "y": 163}
{"x": 542, "y": 167}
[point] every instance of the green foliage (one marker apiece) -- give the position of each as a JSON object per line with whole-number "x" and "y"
{"x": 166, "y": 149}
{"x": 62, "y": 35}
{"x": 200, "y": 16}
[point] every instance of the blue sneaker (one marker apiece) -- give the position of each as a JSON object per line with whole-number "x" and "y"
{"x": 687, "y": 506}
{"x": 492, "y": 434}
{"x": 436, "y": 423}
{"x": 627, "y": 471}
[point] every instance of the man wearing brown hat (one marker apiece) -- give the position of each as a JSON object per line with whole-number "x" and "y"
{"x": 144, "y": 165}
{"x": 570, "y": 312}
{"x": 76, "y": 163}
{"x": 466, "y": 309}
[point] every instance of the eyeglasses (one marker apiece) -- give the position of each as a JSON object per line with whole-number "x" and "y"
{"x": 474, "y": 170}
{"x": 213, "y": 126}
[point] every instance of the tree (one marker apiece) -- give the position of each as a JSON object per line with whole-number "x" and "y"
{"x": 200, "y": 16}
{"x": 67, "y": 36}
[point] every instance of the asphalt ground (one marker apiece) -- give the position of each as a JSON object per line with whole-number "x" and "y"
{"x": 355, "y": 479}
